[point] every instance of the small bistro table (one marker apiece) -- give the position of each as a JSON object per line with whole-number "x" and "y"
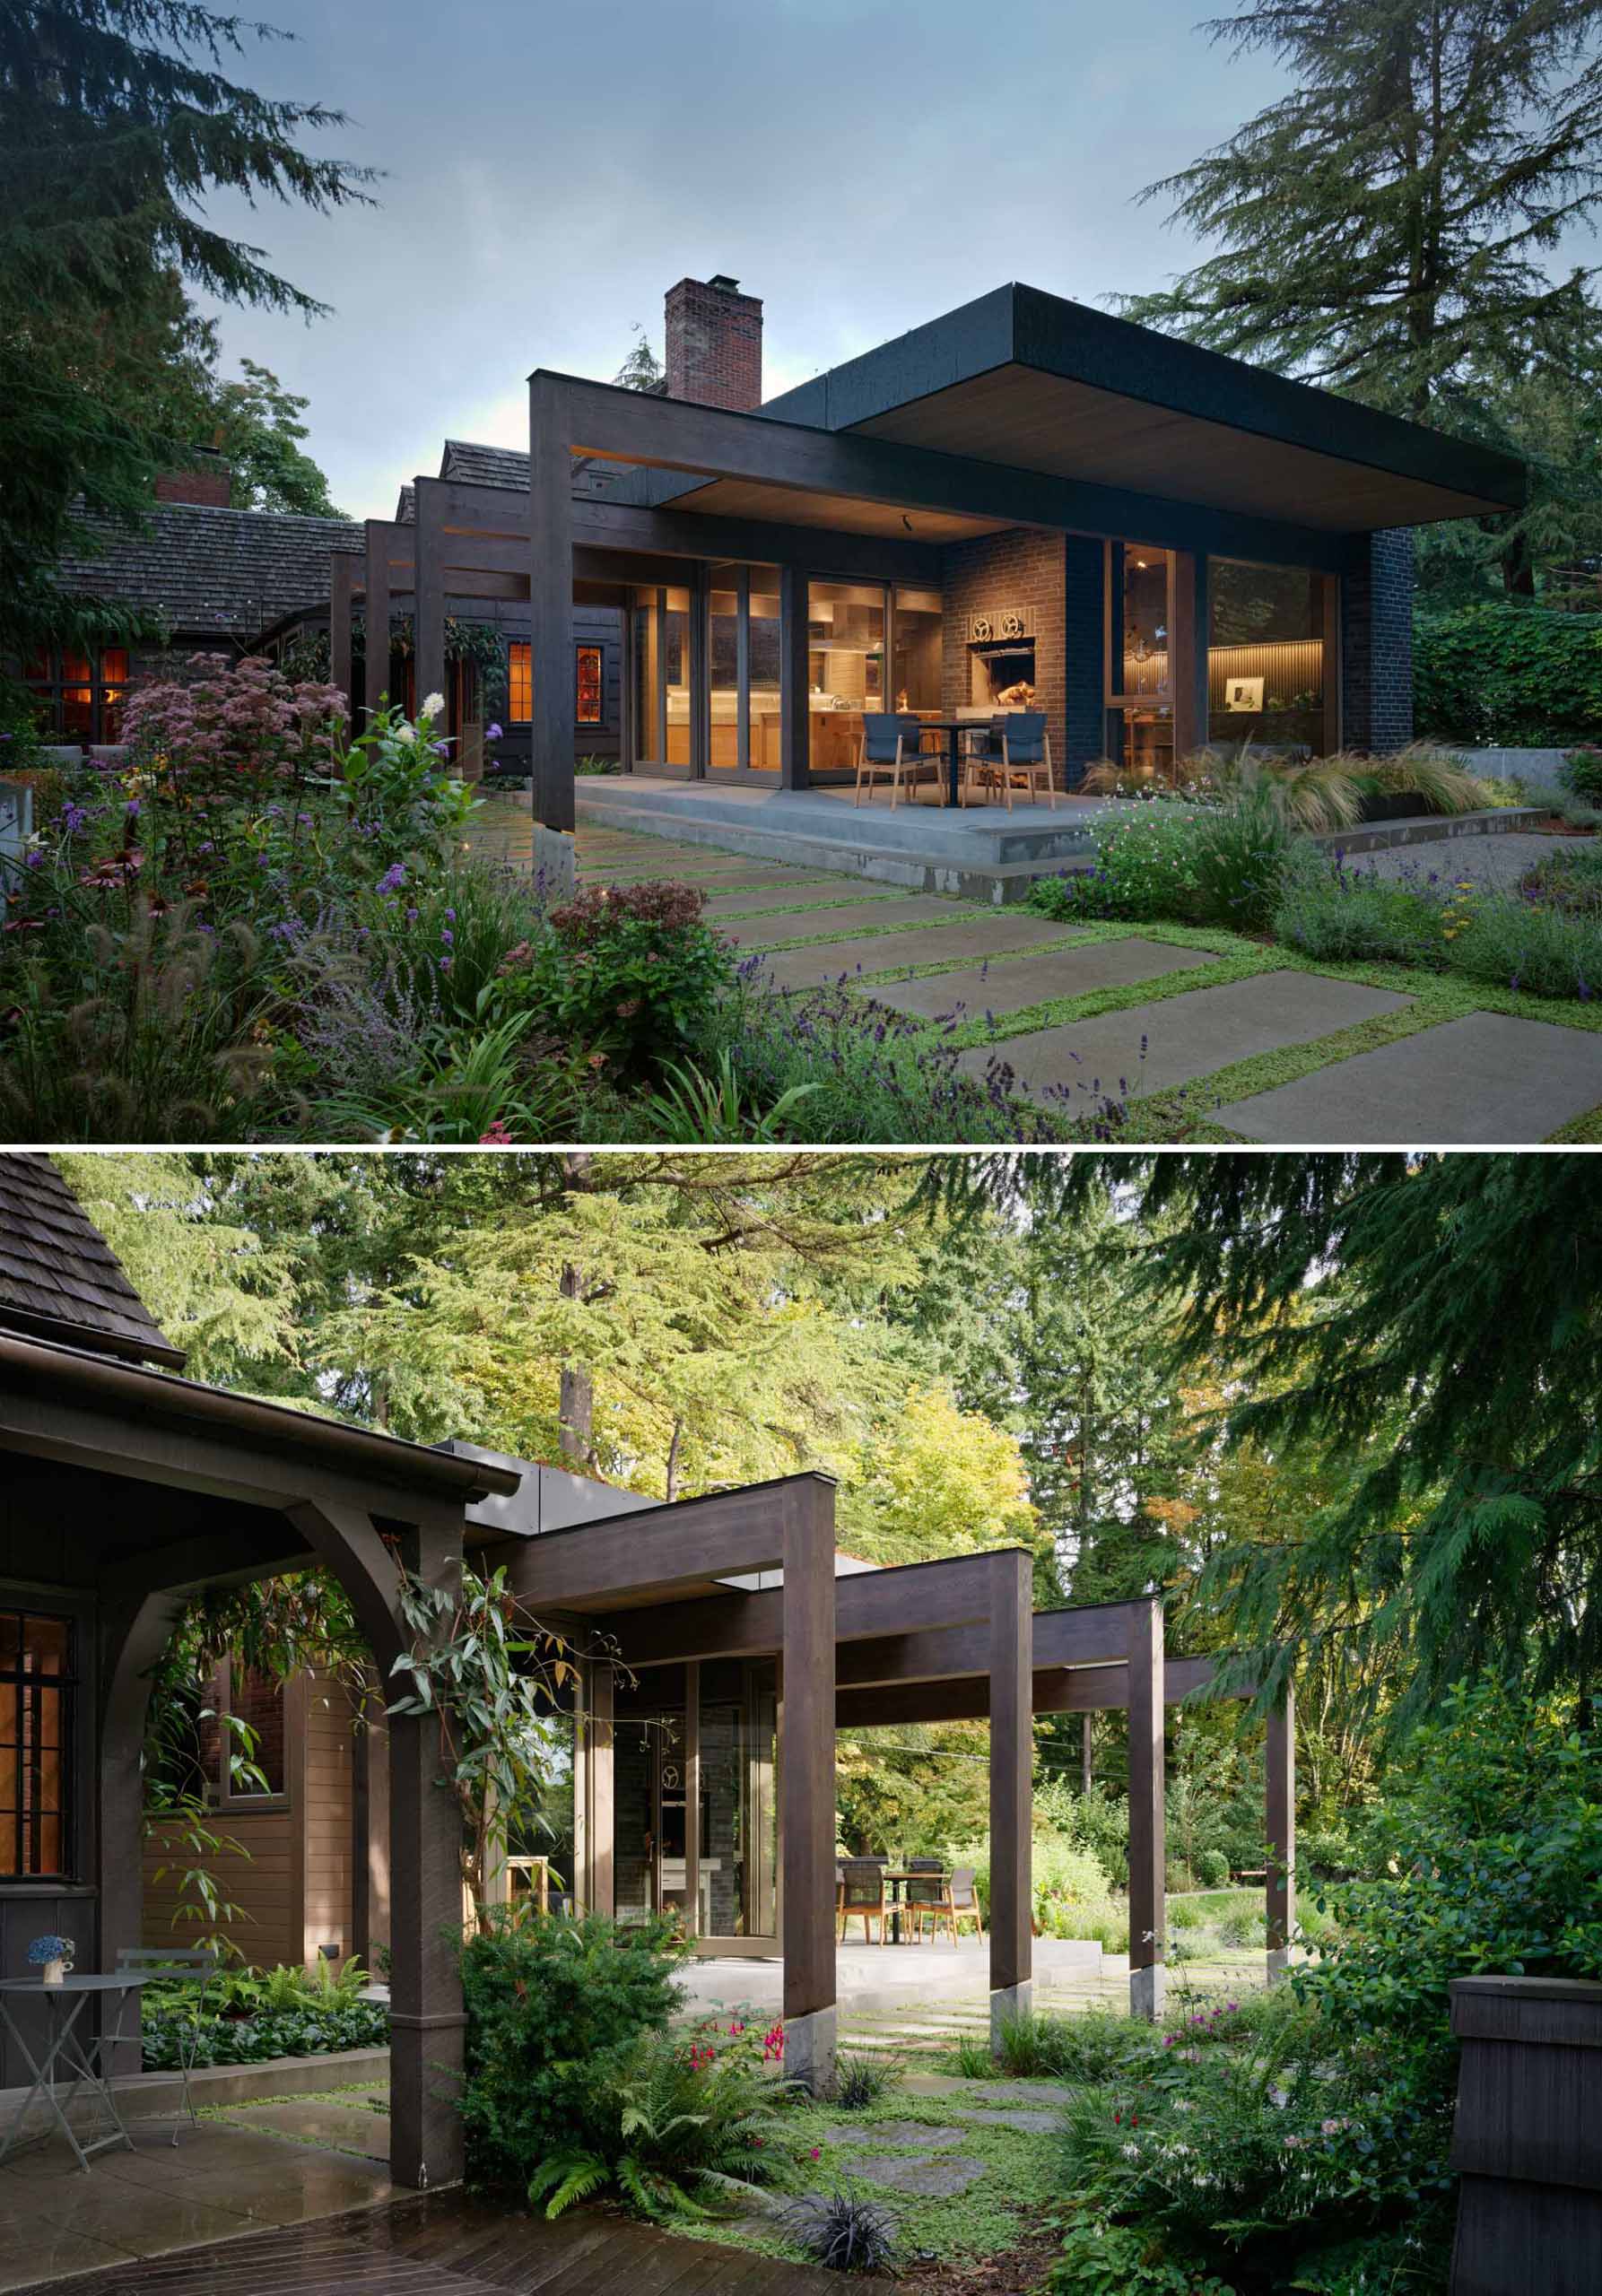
{"x": 954, "y": 729}
{"x": 85, "y": 2055}
{"x": 895, "y": 1878}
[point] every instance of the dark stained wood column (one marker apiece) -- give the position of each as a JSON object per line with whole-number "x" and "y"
{"x": 428, "y": 600}
{"x": 375, "y": 611}
{"x": 1280, "y": 1815}
{"x": 1011, "y": 1748}
{"x": 806, "y": 1781}
{"x": 794, "y": 728}
{"x": 342, "y": 582}
{"x": 1148, "y": 1844}
{"x": 551, "y": 602}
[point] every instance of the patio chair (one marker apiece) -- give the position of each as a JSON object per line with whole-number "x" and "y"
{"x": 962, "y": 1902}
{"x": 926, "y": 1894}
{"x": 1015, "y": 752}
{"x": 861, "y": 1896}
{"x": 890, "y": 748}
{"x": 178, "y": 1965}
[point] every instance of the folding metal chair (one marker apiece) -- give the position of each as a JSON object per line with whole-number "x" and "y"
{"x": 181, "y": 1965}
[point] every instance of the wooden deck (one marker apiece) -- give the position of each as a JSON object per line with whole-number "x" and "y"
{"x": 443, "y": 2245}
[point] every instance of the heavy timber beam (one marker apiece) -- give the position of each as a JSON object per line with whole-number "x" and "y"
{"x": 342, "y": 583}
{"x": 1012, "y": 1752}
{"x": 1081, "y": 1689}
{"x": 1147, "y": 1914}
{"x": 551, "y": 606}
{"x": 630, "y": 427}
{"x": 807, "y": 1780}
{"x": 376, "y": 612}
{"x": 663, "y": 1547}
{"x": 1280, "y": 1815}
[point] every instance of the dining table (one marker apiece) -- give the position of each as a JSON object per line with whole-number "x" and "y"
{"x": 69, "y": 2050}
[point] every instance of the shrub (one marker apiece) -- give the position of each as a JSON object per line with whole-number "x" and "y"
{"x": 547, "y": 2001}
{"x": 1144, "y": 868}
{"x": 843, "y": 2231}
{"x": 1569, "y": 878}
{"x": 1091, "y": 2047}
{"x": 630, "y": 970}
{"x": 1521, "y": 944}
{"x": 679, "y": 2127}
{"x": 1522, "y": 676}
{"x": 1349, "y": 917}
{"x": 1581, "y": 773}
{"x": 246, "y": 2016}
{"x": 1244, "y": 855}
{"x": 1212, "y": 1868}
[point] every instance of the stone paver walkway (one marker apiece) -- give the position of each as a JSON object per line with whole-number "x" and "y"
{"x": 1459, "y": 1071}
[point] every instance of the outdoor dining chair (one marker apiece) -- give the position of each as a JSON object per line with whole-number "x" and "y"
{"x": 926, "y": 1894}
{"x": 889, "y": 748}
{"x": 178, "y": 1965}
{"x": 962, "y": 1901}
{"x": 1015, "y": 752}
{"x": 861, "y": 1896}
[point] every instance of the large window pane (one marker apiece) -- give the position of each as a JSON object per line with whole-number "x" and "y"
{"x": 739, "y": 1838}
{"x": 845, "y": 647}
{"x": 1140, "y": 584}
{"x": 37, "y": 1688}
{"x": 723, "y": 651}
{"x": 916, "y": 677}
{"x": 1264, "y": 655}
{"x": 765, "y": 669}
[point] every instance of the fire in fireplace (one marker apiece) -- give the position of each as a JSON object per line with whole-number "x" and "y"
{"x": 1001, "y": 676}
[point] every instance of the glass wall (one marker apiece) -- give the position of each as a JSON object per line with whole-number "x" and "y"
{"x": 749, "y": 742}
{"x": 695, "y": 1809}
{"x": 845, "y": 671}
{"x": 1140, "y": 607}
{"x": 660, "y": 714}
{"x": 918, "y": 626}
{"x": 1265, "y": 655}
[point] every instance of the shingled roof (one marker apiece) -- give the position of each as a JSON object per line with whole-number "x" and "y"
{"x": 59, "y": 1278}
{"x": 212, "y": 572}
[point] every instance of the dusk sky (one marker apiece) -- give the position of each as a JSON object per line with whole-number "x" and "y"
{"x": 552, "y": 170}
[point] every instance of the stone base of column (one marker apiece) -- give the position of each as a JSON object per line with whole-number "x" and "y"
{"x": 809, "y": 2050}
{"x": 425, "y": 2077}
{"x": 1009, "y": 2003}
{"x": 1279, "y": 1961}
{"x": 555, "y": 864}
{"x": 1147, "y": 1989}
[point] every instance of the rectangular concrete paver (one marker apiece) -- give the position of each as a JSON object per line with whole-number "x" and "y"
{"x": 1487, "y": 1079}
{"x": 1151, "y": 1048}
{"x": 848, "y": 916}
{"x": 772, "y": 893}
{"x": 1031, "y": 980}
{"x": 974, "y": 932}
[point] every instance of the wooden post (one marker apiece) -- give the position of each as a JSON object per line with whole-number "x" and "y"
{"x": 428, "y": 602}
{"x": 700, "y": 653}
{"x": 1280, "y": 1815}
{"x": 132, "y": 1639}
{"x": 793, "y": 720}
{"x": 1011, "y": 1750}
{"x": 1329, "y": 586}
{"x": 806, "y": 1782}
{"x": 1086, "y": 1751}
{"x": 426, "y": 2017}
{"x": 742, "y": 669}
{"x": 1147, "y": 1842}
{"x": 375, "y": 611}
{"x": 342, "y": 583}
{"x": 551, "y": 603}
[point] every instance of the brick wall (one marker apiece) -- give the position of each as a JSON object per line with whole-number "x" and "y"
{"x": 714, "y": 345}
{"x": 1084, "y": 656}
{"x": 1023, "y": 568}
{"x": 1377, "y": 645}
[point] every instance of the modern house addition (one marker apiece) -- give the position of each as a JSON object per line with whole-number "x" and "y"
{"x": 1025, "y": 504}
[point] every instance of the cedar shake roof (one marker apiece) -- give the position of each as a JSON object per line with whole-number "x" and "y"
{"x": 59, "y": 1278}
{"x": 214, "y": 573}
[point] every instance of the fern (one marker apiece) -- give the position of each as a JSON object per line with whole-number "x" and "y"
{"x": 576, "y": 2176}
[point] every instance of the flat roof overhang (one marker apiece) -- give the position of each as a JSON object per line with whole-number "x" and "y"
{"x": 1032, "y": 380}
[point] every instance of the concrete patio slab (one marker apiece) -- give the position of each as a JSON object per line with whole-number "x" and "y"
{"x": 1480, "y": 1082}
{"x": 772, "y": 892}
{"x": 348, "y": 2128}
{"x": 845, "y": 918}
{"x": 940, "y": 2178}
{"x": 1151, "y": 1048}
{"x": 973, "y": 933}
{"x": 1031, "y": 980}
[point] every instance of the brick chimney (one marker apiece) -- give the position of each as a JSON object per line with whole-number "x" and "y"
{"x": 206, "y": 482}
{"x": 715, "y": 343}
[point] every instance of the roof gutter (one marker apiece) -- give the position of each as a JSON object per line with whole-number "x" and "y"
{"x": 129, "y": 1391}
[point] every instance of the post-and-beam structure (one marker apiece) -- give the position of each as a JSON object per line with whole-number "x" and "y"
{"x": 380, "y": 550}
{"x": 807, "y": 1783}
{"x": 551, "y": 607}
{"x": 342, "y": 584}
